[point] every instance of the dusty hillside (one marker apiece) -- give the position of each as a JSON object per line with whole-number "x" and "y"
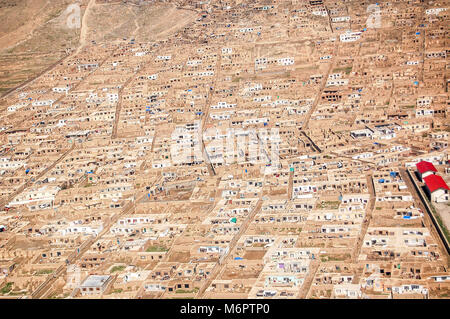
{"x": 34, "y": 37}
{"x": 145, "y": 22}
{"x": 37, "y": 33}
{"x": 34, "y": 25}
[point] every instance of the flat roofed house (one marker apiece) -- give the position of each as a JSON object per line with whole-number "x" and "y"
{"x": 95, "y": 285}
{"x": 361, "y": 133}
{"x": 436, "y": 188}
{"x": 425, "y": 169}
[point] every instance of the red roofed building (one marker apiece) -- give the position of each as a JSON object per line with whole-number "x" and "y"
{"x": 436, "y": 188}
{"x": 425, "y": 169}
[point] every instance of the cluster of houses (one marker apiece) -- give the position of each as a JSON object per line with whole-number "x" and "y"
{"x": 436, "y": 188}
{"x": 150, "y": 170}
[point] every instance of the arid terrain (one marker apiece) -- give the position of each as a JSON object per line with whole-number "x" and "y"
{"x": 36, "y": 34}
